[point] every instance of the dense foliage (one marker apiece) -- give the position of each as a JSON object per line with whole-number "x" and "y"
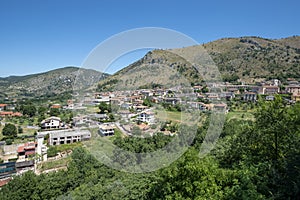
{"x": 10, "y": 130}
{"x": 252, "y": 160}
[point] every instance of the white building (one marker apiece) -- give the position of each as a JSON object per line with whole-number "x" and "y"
{"x": 51, "y": 123}
{"x": 106, "y": 130}
{"x": 147, "y": 117}
{"x": 67, "y": 136}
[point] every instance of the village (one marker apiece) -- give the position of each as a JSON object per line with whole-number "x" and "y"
{"x": 137, "y": 113}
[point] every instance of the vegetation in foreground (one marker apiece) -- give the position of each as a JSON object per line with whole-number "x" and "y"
{"x": 253, "y": 160}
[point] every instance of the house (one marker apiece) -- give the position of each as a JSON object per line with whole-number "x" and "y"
{"x": 3, "y": 107}
{"x": 106, "y": 130}
{"x": 296, "y": 97}
{"x": 269, "y": 90}
{"x": 293, "y": 89}
{"x": 56, "y": 106}
{"x": 227, "y": 95}
{"x": 250, "y": 96}
{"x": 140, "y": 108}
{"x": 147, "y": 117}
{"x": 10, "y": 114}
{"x": 270, "y": 98}
{"x": 26, "y": 150}
{"x": 51, "y": 123}
{"x": 24, "y": 166}
{"x": 171, "y": 100}
{"x": 220, "y": 107}
{"x": 67, "y": 136}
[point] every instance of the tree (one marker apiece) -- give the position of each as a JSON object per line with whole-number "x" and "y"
{"x": 29, "y": 110}
{"x": 10, "y": 130}
{"x": 20, "y": 129}
{"x": 52, "y": 151}
{"x": 104, "y": 108}
{"x": 54, "y": 112}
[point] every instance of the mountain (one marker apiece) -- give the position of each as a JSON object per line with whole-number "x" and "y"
{"x": 247, "y": 59}
{"x": 52, "y": 82}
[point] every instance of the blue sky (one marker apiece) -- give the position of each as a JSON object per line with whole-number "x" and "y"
{"x": 36, "y": 36}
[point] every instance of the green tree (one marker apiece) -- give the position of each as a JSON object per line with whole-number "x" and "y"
{"x": 20, "y": 129}
{"x": 54, "y": 112}
{"x": 104, "y": 108}
{"x": 29, "y": 110}
{"x": 10, "y": 130}
{"x": 52, "y": 151}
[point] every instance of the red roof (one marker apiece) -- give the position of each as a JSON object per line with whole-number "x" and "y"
{"x": 27, "y": 147}
{"x": 4, "y": 181}
{"x": 56, "y": 106}
{"x": 30, "y": 152}
{"x": 3, "y": 105}
{"x": 21, "y": 149}
{"x": 6, "y": 113}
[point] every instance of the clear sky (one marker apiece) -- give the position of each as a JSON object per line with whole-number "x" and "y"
{"x": 37, "y": 36}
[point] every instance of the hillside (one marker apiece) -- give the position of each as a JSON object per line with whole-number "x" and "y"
{"x": 247, "y": 58}
{"x": 55, "y": 81}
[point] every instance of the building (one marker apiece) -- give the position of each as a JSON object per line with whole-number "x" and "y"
{"x": 7, "y": 169}
{"x": 296, "y": 97}
{"x": 3, "y": 107}
{"x": 67, "y": 136}
{"x": 250, "y": 96}
{"x": 10, "y": 114}
{"x": 269, "y": 90}
{"x": 220, "y": 107}
{"x": 26, "y": 150}
{"x": 56, "y": 106}
{"x": 146, "y": 117}
{"x": 270, "y": 98}
{"x": 294, "y": 89}
{"x": 106, "y": 130}
{"x": 41, "y": 149}
{"x": 51, "y": 123}
{"x": 24, "y": 166}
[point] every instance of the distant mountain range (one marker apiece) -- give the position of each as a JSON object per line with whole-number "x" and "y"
{"x": 52, "y": 82}
{"x": 246, "y": 59}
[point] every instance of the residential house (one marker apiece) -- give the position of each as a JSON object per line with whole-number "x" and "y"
{"x": 293, "y": 89}
{"x": 56, "y": 106}
{"x": 51, "y": 123}
{"x": 23, "y": 166}
{"x": 10, "y": 114}
{"x": 296, "y": 97}
{"x": 172, "y": 100}
{"x": 269, "y": 90}
{"x": 3, "y": 107}
{"x": 26, "y": 150}
{"x": 106, "y": 130}
{"x": 147, "y": 117}
{"x": 140, "y": 108}
{"x": 270, "y": 98}
{"x": 250, "y": 96}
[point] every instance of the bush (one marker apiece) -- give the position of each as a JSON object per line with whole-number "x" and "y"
{"x": 9, "y": 141}
{"x": 52, "y": 151}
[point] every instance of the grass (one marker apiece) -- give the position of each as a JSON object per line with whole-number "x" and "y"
{"x": 240, "y": 115}
{"x": 54, "y": 164}
{"x": 65, "y": 147}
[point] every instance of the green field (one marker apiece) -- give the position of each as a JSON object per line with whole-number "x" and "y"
{"x": 240, "y": 115}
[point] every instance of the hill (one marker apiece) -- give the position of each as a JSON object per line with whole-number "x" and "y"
{"x": 52, "y": 82}
{"x": 247, "y": 59}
